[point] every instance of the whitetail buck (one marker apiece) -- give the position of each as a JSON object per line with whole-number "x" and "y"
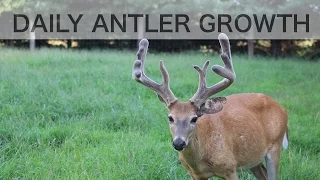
{"x": 216, "y": 136}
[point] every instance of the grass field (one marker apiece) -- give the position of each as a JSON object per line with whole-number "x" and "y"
{"x": 79, "y": 115}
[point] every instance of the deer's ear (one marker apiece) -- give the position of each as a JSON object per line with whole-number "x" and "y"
{"x": 212, "y": 105}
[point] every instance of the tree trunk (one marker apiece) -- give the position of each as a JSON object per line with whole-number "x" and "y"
{"x": 276, "y": 47}
{"x": 250, "y": 48}
{"x": 318, "y": 44}
{"x": 69, "y": 43}
{"x": 250, "y": 44}
{"x": 32, "y": 37}
{"x": 8, "y": 42}
{"x": 140, "y": 31}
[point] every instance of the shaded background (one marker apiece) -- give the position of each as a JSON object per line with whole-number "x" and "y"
{"x": 306, "y": 49}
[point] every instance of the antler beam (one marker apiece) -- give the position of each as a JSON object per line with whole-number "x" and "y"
{"x": 163, "y": 90}
{"x": 204, "y": 92}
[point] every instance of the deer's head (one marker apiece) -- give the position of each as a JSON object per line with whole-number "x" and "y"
{"x": 183, "y": 116}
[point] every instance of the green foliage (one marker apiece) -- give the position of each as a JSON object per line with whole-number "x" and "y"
{"x": 10, "y": 5}
{"x": 79, "y": 114}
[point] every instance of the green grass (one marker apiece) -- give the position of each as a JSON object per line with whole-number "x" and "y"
{"x": 79, "y": 114}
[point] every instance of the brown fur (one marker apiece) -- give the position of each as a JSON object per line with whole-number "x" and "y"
{"x": 239, "y": 136}
{"x": 216, "y": 136}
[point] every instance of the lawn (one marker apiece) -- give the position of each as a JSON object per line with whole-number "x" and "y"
{"x": 79, "y": 115}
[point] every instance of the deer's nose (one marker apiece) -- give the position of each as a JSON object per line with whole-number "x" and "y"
{"x": 179, "y": 144}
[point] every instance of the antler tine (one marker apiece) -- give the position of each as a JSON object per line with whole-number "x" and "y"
{"x": 224, "y": 43}
{"x": 163, "y": 90}
{"x": 227, "y": 72}
{"x": 202, "y": 75}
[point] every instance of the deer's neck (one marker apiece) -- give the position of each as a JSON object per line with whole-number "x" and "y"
{"x": 193, "y": 150}
{"x": 194, "y": 154}
{"x": 200, "y": 147}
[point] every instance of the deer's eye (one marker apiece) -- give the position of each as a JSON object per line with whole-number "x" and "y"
{"x": 170, "y": 119}
{"x": 194, "y": 119}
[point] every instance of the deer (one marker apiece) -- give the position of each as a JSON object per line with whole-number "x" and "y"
{"x": 217, "y": 136}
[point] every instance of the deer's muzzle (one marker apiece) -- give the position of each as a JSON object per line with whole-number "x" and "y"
{"x": 179, "y": 144}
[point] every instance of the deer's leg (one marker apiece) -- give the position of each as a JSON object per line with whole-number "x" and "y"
{"x": 232, "y": 176}
{"x": 259, "y": 171}
{"x": 272, "y": 160}
{"x": 186, "y": 166}
{"x": 196, "y": 178}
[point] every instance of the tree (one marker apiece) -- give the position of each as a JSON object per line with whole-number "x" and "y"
{"x": 7, "y": 6}
{"x": 288, "y": 6}
{"x": 10, "y": 5}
